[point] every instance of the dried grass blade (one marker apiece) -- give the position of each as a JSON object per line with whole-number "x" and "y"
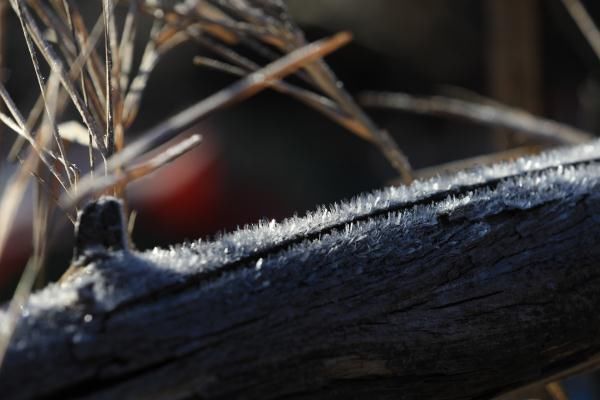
{"x": 19, "y": 125}
{"x": 232, "y": 56}
{"x": 92, "y": 73}
{"x": 327, "y": 81}
{"x": 487, "y": 114}
{"x": 109, "y": 137}
{"x": 56, "y": 24}
{"x": 127, "y": 44}
{"x": 19, "y": 9}
{"x": 258, "y": 28}
{"x": 144, "y": 168}
{"x": 236, "y": 92}
{"x": 319, "y": 103}
{"x": 585, "y": 23}
{"x": 9, "y": 204}
{"x": 83, "y": 83}
{"x": 152, "y": 54}
{"x": 87, "y": 49}
{"x": 8, "y": 121}
{"x": 57, "y": 65}
{"x": 556, "y": 391}
{"x": 220, "y": 66}
{"x": 246, "y": 87}
{"x": 41, "y": 211}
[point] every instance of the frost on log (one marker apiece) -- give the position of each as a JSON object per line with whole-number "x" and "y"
{"x": 454, "y": 288}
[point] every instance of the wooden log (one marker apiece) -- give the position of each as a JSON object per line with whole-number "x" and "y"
{"x": 461, "y": 287}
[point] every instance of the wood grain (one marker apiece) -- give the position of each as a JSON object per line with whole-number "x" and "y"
{"x": 459, "y": 288}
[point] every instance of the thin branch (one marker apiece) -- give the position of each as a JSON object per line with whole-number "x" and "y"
{"x": 19, "y": 10}
{"x": 9, "y": 204}
{"x": 275, "y": 28}
{"x": 3, "y": 42}
{"x": 41, "y": 214}
{"x": 556, "y": 390}
{"x": 48, "y": 16}
{"x": 252, "y": 24}
{"x": 320, "y": 103}
{"x": 585, "y": 23}
{"x": 242, "y": 89}
{"x": 82, "y": 77}
{"x": 144, "y": 168}
{"x": 19, "y": 125}
{"x": 127, "y": 44}
{"x": 241, "y": 66}
{"x": 152, "y": 54}
{"x": 58, "y": 66}
{"x": 114, "y": 70}
{"x": 8, "y": 121}
{"x": 109, "y": 137}
{"x": 237, "y": 91}
{"x": 94, "y": 67}
{"x": 486, "y": 114}
{"x": 50, "y": 192}
{"x": 87, "y": 50}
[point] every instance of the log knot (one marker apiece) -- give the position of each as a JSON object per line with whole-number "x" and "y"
{"x": 100, "y": 228}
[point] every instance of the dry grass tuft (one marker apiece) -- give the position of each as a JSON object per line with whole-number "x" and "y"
{"x": 105, "y": 87}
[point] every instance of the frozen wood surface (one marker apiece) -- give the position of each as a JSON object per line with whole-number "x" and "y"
{"x": 460, "y": 287}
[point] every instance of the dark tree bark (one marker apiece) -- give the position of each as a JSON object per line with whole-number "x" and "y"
{"x": 457, "y": 288}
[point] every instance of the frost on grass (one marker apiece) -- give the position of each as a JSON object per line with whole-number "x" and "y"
{"x": 400, "y": 217}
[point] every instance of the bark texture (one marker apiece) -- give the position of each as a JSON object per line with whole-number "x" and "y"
{"x": 455, "y": 288}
